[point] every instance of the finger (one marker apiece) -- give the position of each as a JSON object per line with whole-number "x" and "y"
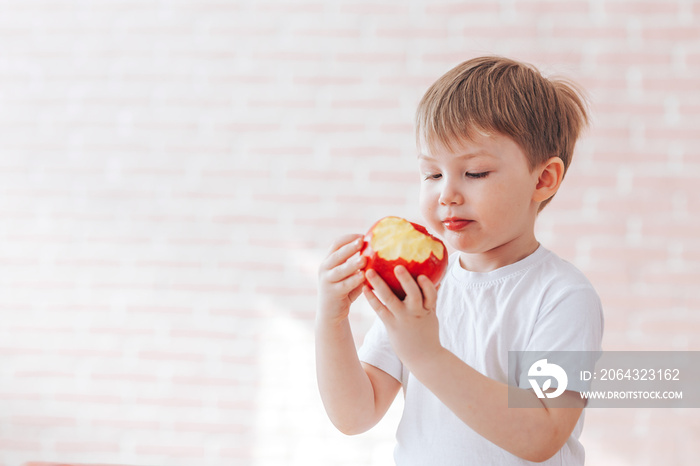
{"x": 351, "y": 284}
{"x": 409, "y": 285}
{"x": 382, "y": 311}
{"x": 356, "y": 291}
{"x": 342, "y": 241}
{"x": 349, "y": 267}
{"x": 382, "y": 290}
{"x": 429, "y": 291}
{"x": 342, "y": 250}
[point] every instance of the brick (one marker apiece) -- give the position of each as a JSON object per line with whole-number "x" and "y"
{"x": 631, "y": 58}
{"x": 43, "y": 421}
{"x": 332, "y": 128}
{"x": 9, "y": 351}
{"x": 205, "y": 287}
{"x": 552, "y": 7}
{"x": 364, "y": 151}
{"x": 252, "y": 127}
{"x": 668, "y": 229}
{"x": 286, "y": 104}
{"x": 122, "y": 331}
{"x": 171, "y": 356}
{"x": 19, "y": 444}
{"x": 627, "y": 108}
{"x": 543, "y": 56}
{"x": 497, "y": 32}
{"x": 411, "y": 33}
{"x": 87, "y": 447}
{"x": 87, "y": 353}
{"x": 672, "y": 34}
{"x": 236, "y": 220}
{"x": 287, "y": 291}
{"x": 170, "y": 402}
{"x": 401, "y": 128}
{"x": 360, "y": 200}
{"x": 89, "y": 399}
{"x": 590, "y": 32}
{"x": 91, "y": 263}
{"x": 19, "y": 261}
{"x": 670, "y": 327}
{"x": 462, "y": 8}
{"x": 252, "y": 266}
{"x": 176, "y": 451}
{"x": 451, "y": 59}
{"x": 320, "y": 175}
{"x": 211, "y": 427}
{"x": 43, "y": 463}
{"x": 236, "y": 452}
{"x": 205, "y": 334}
{"x": 636, "y": 204}
{"x": 641, "y": 8}
{"x": 159, "y": 309}
{"x": 127, "y": 425}
{"x": 383, "y": 58}
{"x": 207, "y": 381}
{"x": 128, "y": 378}
{"x": 321, "y": 80}
{"x": 611, "y": 133}
{"x": 374, "y": 8}
{"x": 249, "y": 79}
{"x": 290, "y": 8}
{"x": 368, "y": 104}
{"x": 290, "y": 56}
{"x": 329, "y": 33}
{"x": 168, "y": 264}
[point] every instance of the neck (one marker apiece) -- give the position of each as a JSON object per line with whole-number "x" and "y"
{"x": 508, "y": 253}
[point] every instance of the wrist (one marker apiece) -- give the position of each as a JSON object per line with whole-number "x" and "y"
{"x": 328, "y": 320}
{"x": 426, "y": 359}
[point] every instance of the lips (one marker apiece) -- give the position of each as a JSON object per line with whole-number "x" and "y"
{"x": 456, "y": 224}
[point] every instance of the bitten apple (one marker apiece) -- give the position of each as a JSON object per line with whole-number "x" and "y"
{"x": 394, "y": 241}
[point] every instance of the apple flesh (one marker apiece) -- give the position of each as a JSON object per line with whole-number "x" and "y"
{"x": 394, "y": 241}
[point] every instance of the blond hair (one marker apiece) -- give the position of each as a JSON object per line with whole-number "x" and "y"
{"x": 544, "y": 116}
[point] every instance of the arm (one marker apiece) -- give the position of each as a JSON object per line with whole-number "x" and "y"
{"x": 534, "y": 434}
{"x": 355, "y": 395}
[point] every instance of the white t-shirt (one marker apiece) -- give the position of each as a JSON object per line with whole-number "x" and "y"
{"x": 541, "y": 303}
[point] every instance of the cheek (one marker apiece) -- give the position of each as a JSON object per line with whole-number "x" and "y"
{"x": 428, "y": 202}
{"x": 512, "y": 198}
{"x": 423, "y": 201}
{"x": 497, "y": 201}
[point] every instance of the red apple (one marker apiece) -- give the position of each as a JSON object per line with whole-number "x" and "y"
{"x": 394, "y": 241}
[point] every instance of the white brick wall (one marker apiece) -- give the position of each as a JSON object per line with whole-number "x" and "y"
{"x": 171, "y": 173}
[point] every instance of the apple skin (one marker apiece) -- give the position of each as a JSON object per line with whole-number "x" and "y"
{"x": 432, "y": 267}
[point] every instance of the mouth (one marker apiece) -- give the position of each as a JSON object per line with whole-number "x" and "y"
{"x": 456, "y": 224}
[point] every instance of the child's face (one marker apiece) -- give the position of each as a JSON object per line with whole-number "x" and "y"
{"x": 479, "y": 196}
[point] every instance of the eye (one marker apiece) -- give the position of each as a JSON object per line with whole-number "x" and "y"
{"x": 432, "y": 176}
{"x": 476, "y": 175}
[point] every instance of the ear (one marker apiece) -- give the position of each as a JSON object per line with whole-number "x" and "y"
{"x": 551, "y": 173}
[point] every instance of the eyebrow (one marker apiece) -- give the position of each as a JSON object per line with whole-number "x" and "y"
{"x": 467, "y": 155}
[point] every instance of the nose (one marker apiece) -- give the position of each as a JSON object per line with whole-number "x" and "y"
{"x": 450, "y": 193}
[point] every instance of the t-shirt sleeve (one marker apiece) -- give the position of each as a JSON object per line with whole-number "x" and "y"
{"x": 569, "y": 329}
{"x": 376, "y": 351}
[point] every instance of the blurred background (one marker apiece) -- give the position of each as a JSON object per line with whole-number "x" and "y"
{"x": 173, "y": 172}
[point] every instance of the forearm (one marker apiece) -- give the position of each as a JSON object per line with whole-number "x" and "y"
{"x": 346, "y": 390}
{"x": 482, "y": 403}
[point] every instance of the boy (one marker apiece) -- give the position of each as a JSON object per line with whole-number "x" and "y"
{"x": 495, "y": 140}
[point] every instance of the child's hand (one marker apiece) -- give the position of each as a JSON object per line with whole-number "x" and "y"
{"x": 412, "y": 324}
{"x": 340, "y": 278}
